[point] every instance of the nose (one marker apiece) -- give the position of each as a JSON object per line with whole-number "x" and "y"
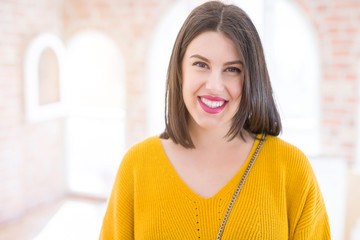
{"x": 214, "y": 82}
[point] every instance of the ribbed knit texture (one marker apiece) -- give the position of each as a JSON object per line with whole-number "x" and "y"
{"x": 280, "y": 199}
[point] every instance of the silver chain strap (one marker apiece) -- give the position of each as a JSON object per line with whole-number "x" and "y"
{"x": 236, "y": 194}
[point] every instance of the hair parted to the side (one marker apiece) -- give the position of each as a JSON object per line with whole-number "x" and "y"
{"x": 257, "y": 112}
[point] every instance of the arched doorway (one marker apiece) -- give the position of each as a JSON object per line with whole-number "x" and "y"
{"x": 95, "y": 129}
{"x": 293, "y": 59}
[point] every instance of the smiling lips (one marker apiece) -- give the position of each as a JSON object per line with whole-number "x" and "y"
{"x": 212, "y": 104}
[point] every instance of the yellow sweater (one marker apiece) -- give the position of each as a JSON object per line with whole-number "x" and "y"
{"x": 280, "y": 199}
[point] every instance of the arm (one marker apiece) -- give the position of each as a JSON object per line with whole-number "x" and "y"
{"x": 313, "y": 220}
{"x": 118, "y": 221}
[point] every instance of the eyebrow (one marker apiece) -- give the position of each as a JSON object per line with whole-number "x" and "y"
{"x": 207, "y": 60}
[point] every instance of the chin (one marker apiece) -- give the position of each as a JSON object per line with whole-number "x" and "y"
{"x": 209, "y": 124}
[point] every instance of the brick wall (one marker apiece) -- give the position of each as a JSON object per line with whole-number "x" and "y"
{"x": 338, "y": 30}
{"x": 31, "y": 155}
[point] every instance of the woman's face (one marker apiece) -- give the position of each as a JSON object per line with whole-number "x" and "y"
{"x": 213, "y": 75}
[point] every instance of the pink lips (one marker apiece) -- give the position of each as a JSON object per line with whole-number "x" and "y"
{"x": 212, "y": 98}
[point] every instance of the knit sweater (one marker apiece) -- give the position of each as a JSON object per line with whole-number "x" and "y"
{"x": 280, "y": 199}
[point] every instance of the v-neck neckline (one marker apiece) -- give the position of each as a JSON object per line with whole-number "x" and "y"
{"x": 228, "y": 188}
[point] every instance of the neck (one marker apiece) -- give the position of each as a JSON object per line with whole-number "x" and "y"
{"x": 213, "y": 139}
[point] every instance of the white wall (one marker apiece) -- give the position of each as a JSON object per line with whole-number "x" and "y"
{"x": 331, "y": 174}
{"x": 95, "y": 127}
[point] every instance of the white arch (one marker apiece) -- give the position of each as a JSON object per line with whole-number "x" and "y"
{"x": 158, "y": 59}
{"x": 35, "y": 112}
{"x": 95, "y": 128}
{"x": 95, "y": 66}
{"x": 294, "y": 65}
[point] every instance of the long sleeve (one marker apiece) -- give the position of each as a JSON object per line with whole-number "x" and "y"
{"x": 118, "y": 221}
{"x": 313, "y": 222}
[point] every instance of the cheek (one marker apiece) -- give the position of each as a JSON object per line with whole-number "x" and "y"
{"x": 190, "y": 85}
{"x": 235, "y": 90}
{"x": 187, "y": 91}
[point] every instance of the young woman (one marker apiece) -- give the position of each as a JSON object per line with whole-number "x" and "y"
{"x": 218, "y": 171}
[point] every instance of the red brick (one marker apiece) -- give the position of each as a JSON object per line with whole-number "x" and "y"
{"x": 337, "y": 19}
{"x": 340, "y": 53}
{"x": 352, "y": 30}
{"x": 351, "y": 100}
{"x": 334, "y": 122}
{"x": 351, "y": 77}
{"x": 329, "y": 99}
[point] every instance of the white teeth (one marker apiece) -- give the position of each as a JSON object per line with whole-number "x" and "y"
{"x": 212, "y": 104}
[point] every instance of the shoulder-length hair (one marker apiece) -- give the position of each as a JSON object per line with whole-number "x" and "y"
{"x": 257, "y": 112}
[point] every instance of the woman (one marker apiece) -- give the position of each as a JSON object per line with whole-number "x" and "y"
{"x": 218, "y": 171}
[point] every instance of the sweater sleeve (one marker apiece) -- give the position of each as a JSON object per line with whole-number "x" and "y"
{"x": 313, "y": 223}
{"x": 118, "y": 221}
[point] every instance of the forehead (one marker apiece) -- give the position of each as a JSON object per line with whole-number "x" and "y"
{"x": 214, "y": 45}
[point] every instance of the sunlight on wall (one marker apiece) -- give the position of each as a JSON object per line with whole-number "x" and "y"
{"x": 158, "y": 60}
{"x": 74, "y": 220}
{"x": 294, "y": 67}
{"x": 334, "y": 191}
{"x": 95, "y": 134}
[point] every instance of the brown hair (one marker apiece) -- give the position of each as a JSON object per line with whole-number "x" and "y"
{"x": 257, "y": 112}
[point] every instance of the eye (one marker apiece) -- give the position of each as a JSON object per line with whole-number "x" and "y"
{"x": 233, "y": 69}
{"x": 200, "y": 64}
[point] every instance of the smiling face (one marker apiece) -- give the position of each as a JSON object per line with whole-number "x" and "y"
{"x": 213, "y": 75}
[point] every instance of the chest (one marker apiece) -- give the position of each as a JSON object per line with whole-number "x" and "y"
{"x": 207, "y": 172}
{"x": 177, "y": 215}
{"x": 166, "y": 208}
{"x": 206, "y": 178}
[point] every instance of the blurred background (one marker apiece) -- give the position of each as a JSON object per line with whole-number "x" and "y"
{"x": 81, "y": 81}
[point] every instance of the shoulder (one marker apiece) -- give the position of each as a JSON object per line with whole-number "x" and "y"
{"x": 281, "y": 146}
{"x": 291, "y": 163}
{"x": 144, "y": 149}
{"x": 147, "y": 145}
{"x": 282, "y": 150}
{"x": 287, "y": 158}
